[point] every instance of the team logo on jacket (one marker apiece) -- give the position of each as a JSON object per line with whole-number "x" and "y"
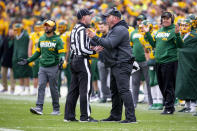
{"x": 137, "y": 35}
{"x": 47, "y": 44}
{"x": 162, "y": 35}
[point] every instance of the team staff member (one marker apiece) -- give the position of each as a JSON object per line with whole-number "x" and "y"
{"x": 139, "y": 54}
{"x": 80, "y": 70}
{"x": 65, "y": 36}
{"x": 33, "y": 43}
{"x": 50, "y": 48}
{"x": 6, "y": 53}
{"x": 119, "y": 59}
{"x": 103, "y": 70}
{"x": 166, "y": 42}
{"x": 186, "y": 88}
{"x": 22, "y": 73}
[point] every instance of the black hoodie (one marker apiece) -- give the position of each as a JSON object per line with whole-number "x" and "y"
{"x": 116, "y": 44}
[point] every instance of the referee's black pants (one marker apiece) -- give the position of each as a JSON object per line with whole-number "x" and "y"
{"x": 80, "y": 86}
{"x": 166, "y": 76}
{"x": 120, "y": 91}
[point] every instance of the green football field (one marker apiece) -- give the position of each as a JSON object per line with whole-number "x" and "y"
{"x": 15, "y": 116}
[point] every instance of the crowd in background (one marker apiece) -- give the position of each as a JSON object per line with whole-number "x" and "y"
{"x": 32, "y": 10}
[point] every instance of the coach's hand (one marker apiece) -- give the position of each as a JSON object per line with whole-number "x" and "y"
{"x": 22, "y": 62}
{"x": 98, "y": 49}
{"x": 177, "y": 28}
{"x": 90, "y": 33}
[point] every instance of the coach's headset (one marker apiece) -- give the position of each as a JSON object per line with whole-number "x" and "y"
{"x": 169, "y": 15}
{"x": 50, "y": 22}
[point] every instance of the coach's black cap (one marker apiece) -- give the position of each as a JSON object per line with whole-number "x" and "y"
{"x": 112, "y": 11}
{"x": 166, "y": 14}
{"x": 83, "y": 12}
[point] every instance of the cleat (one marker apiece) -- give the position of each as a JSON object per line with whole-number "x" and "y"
{"x": 36, "y": 110}
{"x": 55, "y": 113}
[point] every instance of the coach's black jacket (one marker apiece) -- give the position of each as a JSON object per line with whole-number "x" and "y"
{"x": 116, "y": 44}
{"x": 6, "y": 52}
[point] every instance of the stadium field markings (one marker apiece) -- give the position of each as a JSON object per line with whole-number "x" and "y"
{"x": 7, "y": 129}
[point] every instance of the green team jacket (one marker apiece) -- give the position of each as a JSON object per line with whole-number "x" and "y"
{"x": 138, "y": 49}
{"x": 186, "y": 79}
{"x": 165, "y": 42}
{"x": 50, "y": 49}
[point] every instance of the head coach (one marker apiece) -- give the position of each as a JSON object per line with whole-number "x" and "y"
{"x": 118, "y": 57}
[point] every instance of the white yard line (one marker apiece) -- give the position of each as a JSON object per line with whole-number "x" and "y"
{"x": 7, "y": 129}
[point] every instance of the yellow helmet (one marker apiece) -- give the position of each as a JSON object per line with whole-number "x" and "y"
{"x": 193, "y": 19}
{"x": 38, "y": 26}
{"x": 62, "y": 26}
{"x": 186, "y": 26}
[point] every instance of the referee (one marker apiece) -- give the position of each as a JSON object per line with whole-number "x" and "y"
{"x": 80, "y": 70}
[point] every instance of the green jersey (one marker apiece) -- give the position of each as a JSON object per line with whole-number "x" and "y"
{"x": 138, "y": 49}
{"x": 165, "y": 42}
{"x": 50, "y": 49}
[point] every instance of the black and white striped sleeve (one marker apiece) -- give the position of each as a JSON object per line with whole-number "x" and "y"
{"x": 84, "y": 42}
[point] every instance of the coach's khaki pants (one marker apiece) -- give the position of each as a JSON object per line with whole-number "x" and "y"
{"x": 4, "y": 72}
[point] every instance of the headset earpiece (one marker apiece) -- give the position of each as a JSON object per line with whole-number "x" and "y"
{"x": 54, "y": 27}
{"x": 170, "y": 15}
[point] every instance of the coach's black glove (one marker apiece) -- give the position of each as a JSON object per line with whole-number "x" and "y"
{"x": 22, "y": 62}
{"x": 136, "y": 67}
{"x": 61, "y": 62}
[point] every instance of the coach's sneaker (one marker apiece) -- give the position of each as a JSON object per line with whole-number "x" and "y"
{"x": 55, "y": 113}
{"x": 128, "y": 121}
{"x": 36, "y": 110}
{"x": 168, "y": 112}
{"x": 90, "y": 119}
{"x": 110, "y": 119}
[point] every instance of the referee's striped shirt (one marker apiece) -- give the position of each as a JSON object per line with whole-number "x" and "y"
{"x": 80, "y": 42}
